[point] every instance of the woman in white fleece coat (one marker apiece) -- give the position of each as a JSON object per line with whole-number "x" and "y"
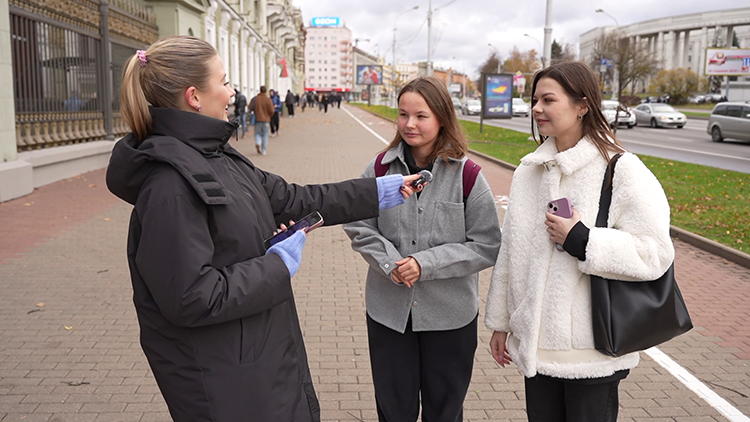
{"x": 539, "y": 303}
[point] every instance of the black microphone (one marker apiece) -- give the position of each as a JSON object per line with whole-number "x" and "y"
{"x": 424, "y": 177}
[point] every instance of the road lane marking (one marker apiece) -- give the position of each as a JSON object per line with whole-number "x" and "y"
{"x": 734, "y": 157}
{"x": 365, "y": 126}
{"x": 697, "y": 387}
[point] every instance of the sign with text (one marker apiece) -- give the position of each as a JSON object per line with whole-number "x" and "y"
{"x": 727, "y": 61}
{"x": 497, "y": 96}
{"x": 325, "y": 21}
{"x": 369, "y": 74}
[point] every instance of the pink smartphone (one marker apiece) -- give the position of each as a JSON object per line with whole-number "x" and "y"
{"x": 560, "y": 207}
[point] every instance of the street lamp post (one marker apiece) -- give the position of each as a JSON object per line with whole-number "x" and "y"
{"x": 541, "y": 52}
{"x": 617, "y": 24}
{"x": 393, "y": 64}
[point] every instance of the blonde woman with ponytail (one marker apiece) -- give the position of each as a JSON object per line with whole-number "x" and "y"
{"x": 215, "y": 308}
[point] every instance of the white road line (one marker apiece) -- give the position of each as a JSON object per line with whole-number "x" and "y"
{"x": 694, "y": 385}
{"x": 734, "y": 157}
{"x": 365, "y": 126}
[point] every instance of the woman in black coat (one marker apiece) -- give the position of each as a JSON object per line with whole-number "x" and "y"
{"x": 216, "y": 311}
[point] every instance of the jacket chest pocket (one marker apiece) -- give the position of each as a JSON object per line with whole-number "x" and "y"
{"x": 448, "y": 225}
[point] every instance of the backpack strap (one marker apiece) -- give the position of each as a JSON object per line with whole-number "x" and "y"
{"x": 380, "y": 168}
{"x": 471, "y": 170}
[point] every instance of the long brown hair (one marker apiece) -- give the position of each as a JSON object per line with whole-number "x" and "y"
{"x": 579, "y": 82}
{"x": 169, "y": 67}
{"x": 451, "y": 141}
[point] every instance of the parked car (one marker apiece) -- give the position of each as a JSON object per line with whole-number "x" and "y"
{"x": 520, "y": 107}
{"x": 729, "y": 120}
{"x": 626, "y": 116}
{"x": 659, "y": 115}
{"x": 471, "y": 107}
{"x": 456, "y": 104}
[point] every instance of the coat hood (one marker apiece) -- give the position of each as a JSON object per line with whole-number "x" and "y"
{"x": 179, "y": 138}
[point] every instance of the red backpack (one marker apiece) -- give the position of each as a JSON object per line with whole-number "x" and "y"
{"x": 471, "y": 170}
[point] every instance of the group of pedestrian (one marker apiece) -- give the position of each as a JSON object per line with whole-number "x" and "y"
{"x": 216, "y": 309}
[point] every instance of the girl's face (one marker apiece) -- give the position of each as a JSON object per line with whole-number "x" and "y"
{"x": 214, "y": 99}
{"x": 417, "y": 124}
{"x": 555, "y": 113}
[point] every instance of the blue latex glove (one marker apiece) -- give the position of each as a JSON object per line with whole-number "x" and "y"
{"x": 389, "y": 191}
{"x": 290, "y": 251}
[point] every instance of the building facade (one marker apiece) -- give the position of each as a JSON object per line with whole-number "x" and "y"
{"x": 328, "y": 59}
{"x": 679, "y": 41}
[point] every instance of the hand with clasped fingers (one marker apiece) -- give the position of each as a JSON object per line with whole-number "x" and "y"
{"x": 407, "y": 272}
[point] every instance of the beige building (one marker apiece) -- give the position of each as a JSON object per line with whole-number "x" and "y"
{"x": 59, "y": 95}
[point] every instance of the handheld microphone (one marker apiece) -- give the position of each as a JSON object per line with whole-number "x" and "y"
{"x": 424, "y": 177}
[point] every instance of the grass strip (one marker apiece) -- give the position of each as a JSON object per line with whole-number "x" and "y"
{"x": 711, "y": 202}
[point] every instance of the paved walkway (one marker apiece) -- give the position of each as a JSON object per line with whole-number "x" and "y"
{"x": 69, "y": 346}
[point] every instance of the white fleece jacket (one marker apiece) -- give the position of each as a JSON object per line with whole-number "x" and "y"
{"x": 542, "y": 296}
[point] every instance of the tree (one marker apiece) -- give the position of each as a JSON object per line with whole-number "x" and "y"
{"x": 562, "y": 52}
{"x": 492, "y": 64}
{"x": 632, "y": 62}
{"x": 678, "y": 83}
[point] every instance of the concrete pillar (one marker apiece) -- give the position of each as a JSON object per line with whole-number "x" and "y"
{"x": 244, "y": 66}
{"x": 233, "y": 70}
{"x": 7, "y": 107}
{"x": 670, "y": 49}
{"x": 686, "y": 51}
{"x": 209, "y": 23}
{"x": 702, "y": 51}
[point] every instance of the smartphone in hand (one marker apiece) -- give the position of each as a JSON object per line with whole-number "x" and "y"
{"x": 560, "y": 207}
{"x": 306, "y": 223}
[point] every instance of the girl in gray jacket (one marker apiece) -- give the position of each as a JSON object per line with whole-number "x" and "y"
{"x": 422, "y": 284}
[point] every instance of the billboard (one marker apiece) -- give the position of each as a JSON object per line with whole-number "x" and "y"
{"x": 727, "y": 61}
{"x": 325, "y": 21}
{"x": 369, "y": 74}
{"x": 497, "y": 96}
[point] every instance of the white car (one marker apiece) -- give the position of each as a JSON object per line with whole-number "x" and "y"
{"x": 471, "y": 107}
{"x": 626, "y": 116}
{"x": 659, "y": 115}
{"x": 520, "y": 107}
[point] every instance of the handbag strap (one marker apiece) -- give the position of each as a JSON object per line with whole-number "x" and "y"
{"x": 606, "y": 198}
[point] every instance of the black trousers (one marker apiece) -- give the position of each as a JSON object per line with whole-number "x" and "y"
{"x": 550, "y": 399}
{"x": 275, "y": 122}
{"x": 437, "y": 364}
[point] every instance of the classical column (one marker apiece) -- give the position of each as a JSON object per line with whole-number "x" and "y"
{"x": 702, "y": 51}
{"x": 8, "y": 148}
{"x": 660, "y": 49}
{"x": 234, "y": 53}
{"x": 209, "y": 22}
{"x": 686, "y": 51}
{"x": 245, "y": 71}
{"x": 224, "y": 37}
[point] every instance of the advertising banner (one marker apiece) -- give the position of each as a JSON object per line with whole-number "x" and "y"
{"x": 325, "y": 21}
{"x": 369, "y": 75}
{"x": 497, "y": 95}
{"x": 727, "y": 61}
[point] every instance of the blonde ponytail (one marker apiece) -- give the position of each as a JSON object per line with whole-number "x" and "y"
{"x": 159, "y": 77}
{"x": 133, "y": 103}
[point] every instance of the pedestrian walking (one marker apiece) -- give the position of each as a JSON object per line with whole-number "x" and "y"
{"x": 303, "y": 102}
{"x": 263, "y": 108}
{"x": 276, "y": 112}
{"x": 326, "y": 100}
{"x": 240, "y": 104}
{"x": 539, "y": 302}
{"x": 289, "y": 100}
{"x": 216, "y": 310}
{"x": 422, "y": 287}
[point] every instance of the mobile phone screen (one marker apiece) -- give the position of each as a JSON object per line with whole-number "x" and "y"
{"x": 309, "y": 221}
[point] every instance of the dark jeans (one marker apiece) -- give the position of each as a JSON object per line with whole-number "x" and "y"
{"x": 275, "y": 122}
{"x": 551, "y": 399}
{"x": 436, "y": 363}
{"x": 290, "y": 107}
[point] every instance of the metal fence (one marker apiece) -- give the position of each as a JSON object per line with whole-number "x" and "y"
{"x": 65, "y": 83}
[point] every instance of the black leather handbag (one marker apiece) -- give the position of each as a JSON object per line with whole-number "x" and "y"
{"x": 633, "y": 316}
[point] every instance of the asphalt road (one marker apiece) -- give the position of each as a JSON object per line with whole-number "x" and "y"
{"x": 690, "y": 144}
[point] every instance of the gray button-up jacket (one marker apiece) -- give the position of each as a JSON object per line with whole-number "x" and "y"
{"x": 451, "y": 241}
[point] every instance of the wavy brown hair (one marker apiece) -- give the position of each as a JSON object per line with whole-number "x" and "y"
{"x": 579, "y": 82}
{"x": 173, "y": 64}
{"x": 451, "y": 141}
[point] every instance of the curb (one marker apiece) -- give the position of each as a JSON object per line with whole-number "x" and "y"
{"x": 708, "y": 245}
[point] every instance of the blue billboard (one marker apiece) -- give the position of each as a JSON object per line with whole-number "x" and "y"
{"x": 325, "y": 21}
{"x": 497, "y": 95}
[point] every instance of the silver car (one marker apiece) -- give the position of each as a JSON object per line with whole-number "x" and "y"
{"x": 610, "y": 111}
{"x": 729, "y": 120}
{"x": 520, "y": 107}
{"x": 471, "y": 107}
{"x": 659, "y": 115}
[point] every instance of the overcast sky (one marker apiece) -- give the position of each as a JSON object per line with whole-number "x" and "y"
{"x": 462, "y": 29}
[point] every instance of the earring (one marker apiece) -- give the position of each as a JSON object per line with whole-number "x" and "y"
{"x": 580, "y": 117}
{"x": 199, "y": 108}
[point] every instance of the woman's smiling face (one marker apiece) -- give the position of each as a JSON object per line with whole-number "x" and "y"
{"x": 555, "y": 113}
{"x": 215, "y": 98}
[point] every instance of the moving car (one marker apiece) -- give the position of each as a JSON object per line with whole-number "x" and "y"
{"x": 472, "y": 107}
{"x": 456, "y": 104}
{"x": 729, "y": 120}
{"x": 659, "y": 115}
{"x": 520, "y": 107}
{"x": 610, "y": 111}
